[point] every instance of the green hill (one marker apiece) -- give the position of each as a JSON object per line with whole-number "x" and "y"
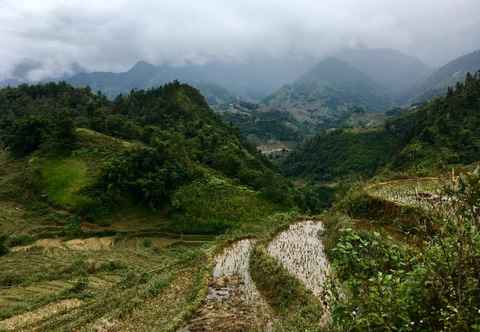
{"x": 88, "y": 155}
{"x": 326, "y": 93}
{"x": 442, "y": 133}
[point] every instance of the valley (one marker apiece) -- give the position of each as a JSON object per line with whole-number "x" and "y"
{"x": 325, "y": 203}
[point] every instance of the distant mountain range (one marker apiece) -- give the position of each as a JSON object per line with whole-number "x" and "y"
{"x": 373, "y": 79}
{"x": 330, "y": 89}
{"x": 394, "y": 71}
{"x": 448, "y": 75}
{"x": 220, "y": 82}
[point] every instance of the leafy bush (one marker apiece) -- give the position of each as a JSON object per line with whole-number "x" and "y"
{"x": 73, "y": 228}
{"x": 391, "y": 287}
{"x": 19, "y": 240}
{"x": 53, "y": 132}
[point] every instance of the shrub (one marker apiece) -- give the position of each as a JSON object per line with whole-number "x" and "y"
{"x": 19, "y": 240}
{"x": 3, "y": 246}
{"x": 395, "y": 288}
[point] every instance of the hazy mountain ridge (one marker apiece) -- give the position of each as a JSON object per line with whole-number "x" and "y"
{"x": 446, "y": 76}
{"x": 392, "y": 69}
{"x": 330, "y": 89}
{"x": 250, "y": 80}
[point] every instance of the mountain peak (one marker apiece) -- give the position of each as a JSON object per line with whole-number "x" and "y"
{"x": 142, "y": 66}
{"x": 333, "y": 70}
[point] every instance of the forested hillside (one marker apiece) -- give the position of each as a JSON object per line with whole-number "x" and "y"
{"x": 331, "y": 90}
{"x": 154, "y": 147}
{"x": 112, "y": 212}
{"x": 442, "y": 133}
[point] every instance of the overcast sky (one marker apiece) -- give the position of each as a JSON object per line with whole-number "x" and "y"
{"x": 113, "y": 34}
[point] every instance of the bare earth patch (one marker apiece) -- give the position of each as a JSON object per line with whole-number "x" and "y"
{"x": 300, "y": 250}
{"x": 233, "y": 302}
{"x": 19, "y": 322}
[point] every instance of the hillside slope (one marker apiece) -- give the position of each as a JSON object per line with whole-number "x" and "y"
{"x": 174, "y": 140}
{"x": 330, "y": 90}
{"x": 395, "y": 71}
{"x": 447, "y": 76}
{"x": 443, "y": 132}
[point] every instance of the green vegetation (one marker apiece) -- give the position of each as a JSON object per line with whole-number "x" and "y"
{"x": 63, "y": 181}
{"x": 265, "y": 126}
{"x": 387, "y": 281}
{"x": 442, "y": 133}
{"x": 117, "y": 211}
{"x": 214, "y": 205}
{"x": 140, "y": 148}
{"x": 341, "y": 153}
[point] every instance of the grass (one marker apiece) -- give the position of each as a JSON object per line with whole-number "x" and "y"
{"x": 63, "y": 180}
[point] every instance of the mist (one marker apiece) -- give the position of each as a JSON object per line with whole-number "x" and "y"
{"x": 52, "y": 37}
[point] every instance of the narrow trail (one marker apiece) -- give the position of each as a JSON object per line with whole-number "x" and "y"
{"x": 233, "y": 302}
{"x": 300, "y": 250}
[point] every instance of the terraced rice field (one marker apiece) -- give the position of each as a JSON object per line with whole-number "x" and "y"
{"x": 233, "y": 302}
{"x": 423, "y": 193}
{"x": 300, "y": 250}
{"x": 418, "y": 192}
{"x": 103, "y": 284}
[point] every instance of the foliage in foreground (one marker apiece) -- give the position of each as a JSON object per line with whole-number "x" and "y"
{"x": 395, "y": 287}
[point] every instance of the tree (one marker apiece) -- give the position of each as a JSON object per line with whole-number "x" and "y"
{"x": 59, "y": 134}
{"x": 24, "y": 135}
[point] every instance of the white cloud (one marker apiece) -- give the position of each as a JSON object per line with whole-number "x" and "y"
{"x": 111, "y": 35}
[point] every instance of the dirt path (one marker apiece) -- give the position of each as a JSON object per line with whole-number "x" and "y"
{"x": 300, "y": 250}
{"x": 233, "y": 302}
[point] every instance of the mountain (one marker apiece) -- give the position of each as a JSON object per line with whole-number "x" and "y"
{"x": 220, "y": 82}
{"x": 144, "y": 76}
{"x": 423, "y": 140}
{"x": 141, "y": 148}
{"x": 392, "y": 69}
{"x": 447, "y": 76}
{"x": 327, "y": 92}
